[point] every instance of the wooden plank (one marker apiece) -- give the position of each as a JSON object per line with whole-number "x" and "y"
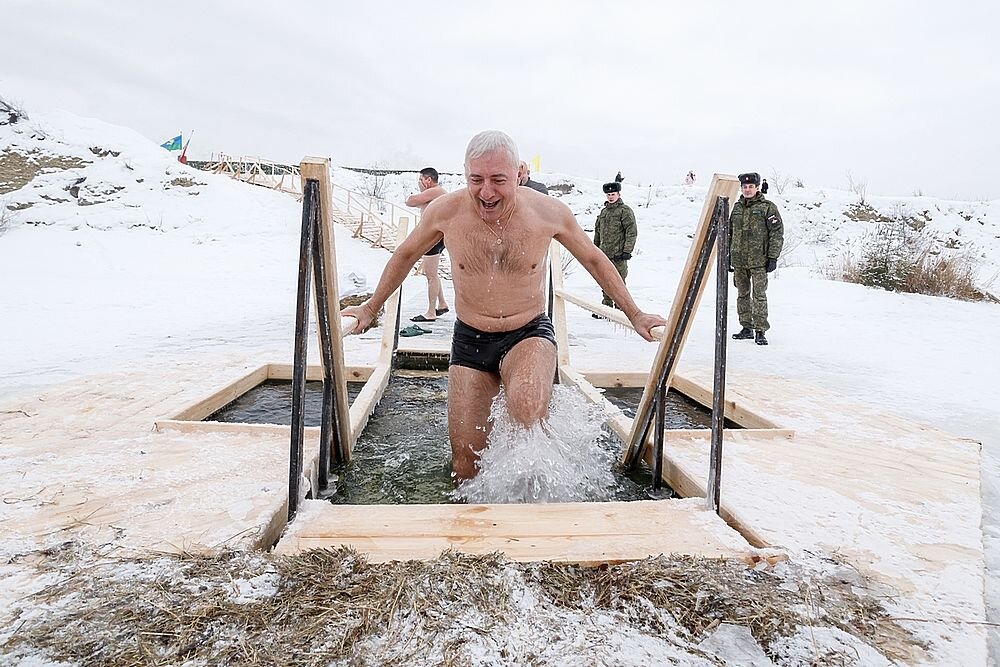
{"x": 568, "y": 532}
{"x": 559, "y": 305}
{"x": 736, "y": 412}
{"x": 366, "y": 401}
{"x": 721, "y": 186}
{"x": 224, "y": 396}
{"x": 315, "y": 372}
{"x": 615, "y": 379}
{"x": 319, "y": 169}
{"x": 206, "y": 427}
{"x": 607, "y": 312}
{"x": 588, "y": 552}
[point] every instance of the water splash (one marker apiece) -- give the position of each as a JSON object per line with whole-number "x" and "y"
{"x": 559, "y": 460}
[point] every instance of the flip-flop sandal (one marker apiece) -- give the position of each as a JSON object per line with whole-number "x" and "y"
{"x": 422, "y": 330}
{"x": 412, "y": 330}
{"x": 441, "y": 311}
{"x": 420, "y": 318}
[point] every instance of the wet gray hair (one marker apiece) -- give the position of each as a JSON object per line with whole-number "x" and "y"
{"x": 490, "y": 141}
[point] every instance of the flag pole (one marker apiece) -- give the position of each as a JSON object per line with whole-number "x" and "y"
{"x": 183, "y": 157}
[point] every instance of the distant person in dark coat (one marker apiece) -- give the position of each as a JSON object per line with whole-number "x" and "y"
{"x": 756, "y": 235}
{"x": 763, "y": 187}
{"x": 619, "y": 178}
{"x": 689, "y": 179}
{"x": 524, "y": 178}
{"x": 615, "y": 233}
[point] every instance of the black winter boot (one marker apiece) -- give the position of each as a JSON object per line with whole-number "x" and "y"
{"x": 759, "y": 339}
{"x": 743, "y": 334}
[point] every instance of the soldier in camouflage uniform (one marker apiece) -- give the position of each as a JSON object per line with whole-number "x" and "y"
{"x": 615, "y": 233}
{"x": 756, "y": 235}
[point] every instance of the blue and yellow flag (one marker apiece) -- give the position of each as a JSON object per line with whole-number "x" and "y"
{"x": 172, "y": 145}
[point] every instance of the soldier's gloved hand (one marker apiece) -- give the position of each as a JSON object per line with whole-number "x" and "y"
{"x": 732, "y": 270}
{"x": 625, "y": 255}
{"x": 771, "y": 265}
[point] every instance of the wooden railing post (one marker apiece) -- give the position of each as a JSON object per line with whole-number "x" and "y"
{"x": 319, "y": 169}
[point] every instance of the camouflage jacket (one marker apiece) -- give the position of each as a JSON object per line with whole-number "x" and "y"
{"x": 756, "y": 233}
{"x": 615, "y": 231}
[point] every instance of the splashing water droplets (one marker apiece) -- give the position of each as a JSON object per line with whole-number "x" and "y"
{"x": 559, "y": 460}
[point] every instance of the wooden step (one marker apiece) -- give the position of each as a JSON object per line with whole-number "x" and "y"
{"x": 585, "y": 533}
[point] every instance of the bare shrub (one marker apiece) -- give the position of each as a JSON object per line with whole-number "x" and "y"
{"x": 779, "y": 180}
{"x": 11, "y": 111}
{"x": 374, "y": 181}
{"x": 798, "y": 183}
{"x": 6, "y": 217}
{"x": 897, "y": 258}
{"x": 858, "y": 186}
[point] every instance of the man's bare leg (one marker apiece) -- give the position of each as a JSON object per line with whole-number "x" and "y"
{"x": 470, "y": 394}
{"x": 527, "y": 372}
{"x": 435, "y": 291}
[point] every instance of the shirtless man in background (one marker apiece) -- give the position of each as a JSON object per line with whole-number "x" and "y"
{"x": 429, "y": 191}
{"x": 498, "y": 235}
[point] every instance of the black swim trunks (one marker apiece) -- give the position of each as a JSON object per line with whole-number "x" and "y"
{"x": 436, "y": 250}
{"x": 484, "y": 350}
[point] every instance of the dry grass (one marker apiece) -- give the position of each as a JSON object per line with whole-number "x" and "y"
{"x": 331, "y": 606}
{"x": 701, "y": 593}
{"x": 915, "y": 270}
{"x": 18, "y": 169}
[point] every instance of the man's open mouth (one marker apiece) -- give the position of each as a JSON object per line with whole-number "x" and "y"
{"x": 489, "y": 204}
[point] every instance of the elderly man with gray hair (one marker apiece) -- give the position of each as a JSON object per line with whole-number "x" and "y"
{"x": 498, "y": 235}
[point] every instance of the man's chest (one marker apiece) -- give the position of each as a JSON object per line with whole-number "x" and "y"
{"x": 494, "y": 249}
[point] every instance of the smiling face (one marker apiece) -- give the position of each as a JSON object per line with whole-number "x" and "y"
{"x": 492, "y": 181}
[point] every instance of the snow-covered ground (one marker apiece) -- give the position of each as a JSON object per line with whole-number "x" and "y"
{"x": 150, "y": 261}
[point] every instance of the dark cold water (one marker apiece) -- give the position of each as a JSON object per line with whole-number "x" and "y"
{"x": 271, "y": 403}
{"x": 403, "y": 455}
{"x": 680, "y": 412}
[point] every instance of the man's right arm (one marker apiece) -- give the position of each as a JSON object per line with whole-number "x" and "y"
{"x": 424, "y": 235}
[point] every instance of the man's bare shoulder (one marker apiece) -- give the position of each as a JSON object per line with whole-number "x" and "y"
{"x": 545, "y": 206}
{"x": 448, "y": 205}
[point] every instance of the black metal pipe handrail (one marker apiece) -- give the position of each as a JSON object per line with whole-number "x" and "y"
{"x": 645, "y": 417}
{"x": 721, "y": 221}
{"x": 329, "y": 431}
{"x": 718, "y": 235}
{"x": 310, "y": 203}
{"x": 312, "y": 267}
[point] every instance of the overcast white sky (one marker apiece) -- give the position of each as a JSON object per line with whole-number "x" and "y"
{"x": 904, "y": 95}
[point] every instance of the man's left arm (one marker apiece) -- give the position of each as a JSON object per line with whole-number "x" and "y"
{"x": 631, "y": 232}
{"x": 574, "y": 239}
{"x": 775, "y": 232}
{"x": 425, "y": 197}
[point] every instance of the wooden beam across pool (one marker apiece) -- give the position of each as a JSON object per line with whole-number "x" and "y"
{"x": 583, "y": 533}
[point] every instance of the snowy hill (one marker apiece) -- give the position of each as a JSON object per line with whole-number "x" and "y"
{"x": 115, "y": 255}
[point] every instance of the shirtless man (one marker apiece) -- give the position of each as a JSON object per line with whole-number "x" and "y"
{"x": 429, "y": 191}
{"x": 498, "y": 235}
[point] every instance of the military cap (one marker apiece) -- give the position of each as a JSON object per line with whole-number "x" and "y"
{"x": 750, "y": 177}
{"x": 612, "y": 187}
